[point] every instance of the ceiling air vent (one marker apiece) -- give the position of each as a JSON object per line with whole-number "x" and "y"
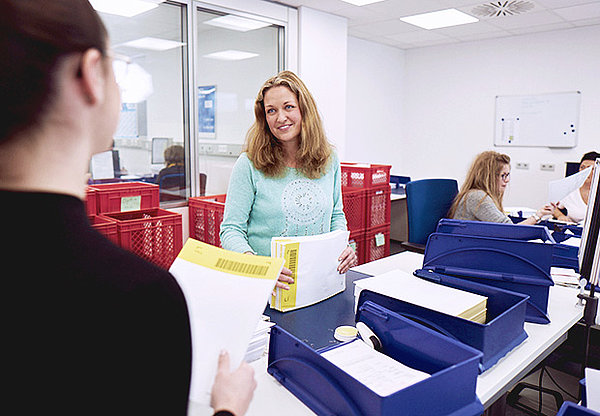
{"x": 503, "y": 8}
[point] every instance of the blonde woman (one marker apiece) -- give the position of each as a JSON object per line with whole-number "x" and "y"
{"x": 480, "y": 197}
{"x": 287, "y": 182}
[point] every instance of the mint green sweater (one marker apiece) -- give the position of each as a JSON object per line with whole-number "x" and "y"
{"x": 259, "y": 207}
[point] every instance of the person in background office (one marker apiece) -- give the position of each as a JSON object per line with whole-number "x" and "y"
{"x": 574, "y": 206}
{"x": 88, "y": 328}
{"x": 287, "y": 182}
{"x": 173, "y": 174}
{"x": 480, "y": 197}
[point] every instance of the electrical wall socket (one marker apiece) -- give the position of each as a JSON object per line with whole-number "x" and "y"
{"x": 547, "y": 166}
{"x": 522, "y": 165}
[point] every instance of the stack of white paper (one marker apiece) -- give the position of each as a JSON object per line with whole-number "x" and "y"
{"x": 313, "y": 261}
{"x": 408, "y": 288}
{"x": 377, "y": 371}
{"x": 226, "y": 294}
{"x": 259, "y": 341}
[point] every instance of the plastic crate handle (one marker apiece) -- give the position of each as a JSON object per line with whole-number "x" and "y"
{"x": 320, "y": 409}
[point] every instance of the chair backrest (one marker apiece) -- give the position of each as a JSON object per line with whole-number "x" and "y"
{"x": 428, "y": 201}
{"x": 172, "y": 187}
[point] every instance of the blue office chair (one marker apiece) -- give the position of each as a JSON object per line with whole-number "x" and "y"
{"x": 172, "y": 187}
{"x": 427, "y": 201}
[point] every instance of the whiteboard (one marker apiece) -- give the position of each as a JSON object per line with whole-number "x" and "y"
{"x": 548, "y": 120}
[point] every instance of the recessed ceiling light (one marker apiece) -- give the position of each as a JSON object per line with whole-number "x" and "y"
{"x": 230, "y": 55}
{"x": 361, "y": 2}
{"x": 154, "y": 44}
{"x": 126, "y": 8}
{"x": 238, "y": 23}
{"x": 442, "y": 18}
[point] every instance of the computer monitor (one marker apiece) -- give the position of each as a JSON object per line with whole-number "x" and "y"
{"x": 589, "y": 251}
{"x": 159, "y": 144}
{"x": 571, "y": 168}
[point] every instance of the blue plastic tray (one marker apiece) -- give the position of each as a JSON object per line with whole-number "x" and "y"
{"x": 514, "y": 265}
{"x": 501, "y": 333}
{"x": 572, "y": 409}
{"x": 562, "y": 255}
{"x": 327, "y": 390}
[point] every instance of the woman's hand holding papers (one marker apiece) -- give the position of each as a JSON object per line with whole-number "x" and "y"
{"x": 232, "y": 390}
{"x": 347, "y": 259}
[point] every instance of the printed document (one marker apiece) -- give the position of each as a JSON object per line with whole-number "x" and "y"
{"x": 313, "y": 261}
{"x": 408, "y": 288}
{"x": 592, "y": 389}
{"x": 380, "y": 373}
{"x": 560, "y": 188}
{"x": 226, "y": 293}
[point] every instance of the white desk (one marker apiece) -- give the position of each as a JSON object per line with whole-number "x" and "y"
{"x": 271, "y": 398}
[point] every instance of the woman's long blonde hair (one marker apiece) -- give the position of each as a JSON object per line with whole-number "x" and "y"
{"x": 266, "y": 152}
{"x": 483, "y": 175}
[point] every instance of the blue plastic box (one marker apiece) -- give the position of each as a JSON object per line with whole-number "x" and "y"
{"x": 327, "y": 390}
{"x": 503, "y": 330}
{"x": 562, "y": 255}
{"x": 514, "y": 265}
{"x": 572, "y": 409}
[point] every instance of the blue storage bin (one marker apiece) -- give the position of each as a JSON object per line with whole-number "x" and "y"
{"x": 514, "y": 265}
{"x": 327, "y": 390}
{"x": 502, "y": 331}
{"x": 562, "y": 255}
{"x": 572, "y": 409}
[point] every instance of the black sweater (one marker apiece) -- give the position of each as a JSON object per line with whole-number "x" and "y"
{"x": 88, "y": 328}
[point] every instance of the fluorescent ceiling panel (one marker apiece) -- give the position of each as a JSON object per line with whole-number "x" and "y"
{"x": 238, "y": 23}
{"x": 153, "y": 44}
{"x": 126, "y": 8}
{"x": 230, "y": 55}
{"x": 361, "y": 2}
{"x": 442, "y": 18}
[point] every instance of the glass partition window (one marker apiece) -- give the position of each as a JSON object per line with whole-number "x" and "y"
{"x": 234, "y": 55}
{"x": 152, "y": 137}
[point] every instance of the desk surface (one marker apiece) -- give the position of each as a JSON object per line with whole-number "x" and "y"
{"x": 271, "y": 398}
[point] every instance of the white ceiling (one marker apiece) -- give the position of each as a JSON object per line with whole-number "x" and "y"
{"x": 380, "y": 22}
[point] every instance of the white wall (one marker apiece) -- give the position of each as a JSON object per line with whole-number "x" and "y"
{"x": 448, "y": 104}
{"x": 375, "y": 91}
{"x": 322, "y": 66}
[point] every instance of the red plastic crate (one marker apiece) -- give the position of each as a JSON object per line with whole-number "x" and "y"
{"x": 377, "y": 243}
{"x": 153, "y": 234}
{"x": 206, "y": 215}
{"x": 105, "y": 226}
{"x": 378, "y": 206}
{"x": 357, "y": 241}
{"x": 126, "y": 196}
{"x": 364, "y": 175}
{"x": 354, "y": 208}
{"x": 91, "y": 206}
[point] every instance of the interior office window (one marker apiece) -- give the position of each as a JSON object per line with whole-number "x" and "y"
{"x": 235, "y": 55}
{"x": 153, "y": 134}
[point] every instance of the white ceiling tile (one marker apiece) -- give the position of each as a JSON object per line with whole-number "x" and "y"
{"x": 583, "y": 11}
{"x": 421, "y": 35}
{"x": 471, "y": 28}
{"x": 555, "y": 4}
{"x": 386, "y": 27}
{"x": 482, "y": 36}
{"x": 525, "y": 20}
{"x": 542, "y": 28}
{"x": 587, "y": 22}
{"x": 403, "y": 8}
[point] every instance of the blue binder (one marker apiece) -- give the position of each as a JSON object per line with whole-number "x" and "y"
{"x": 514, "y": 265}
{"x": 572, "y": 409}
{"x": 503, "y": 330}
{"x": 562, "y": 255}
{"x": 328, "y": 390}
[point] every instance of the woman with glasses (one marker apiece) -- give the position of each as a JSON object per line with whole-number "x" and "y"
{"x": 88, "y": 328}
{"x": 480, "y": 197}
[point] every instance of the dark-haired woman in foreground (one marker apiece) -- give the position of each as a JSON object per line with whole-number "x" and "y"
{"x": 88, "y": 328}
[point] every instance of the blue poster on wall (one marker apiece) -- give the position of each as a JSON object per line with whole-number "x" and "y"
{"x": 206, "y": 111}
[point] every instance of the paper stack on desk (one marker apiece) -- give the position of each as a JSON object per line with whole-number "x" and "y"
{"x": 226, "y": 293}
{"x": 313, "y": 261}
{"x": 408, "y": 288}
{"x": 260, "y": 340}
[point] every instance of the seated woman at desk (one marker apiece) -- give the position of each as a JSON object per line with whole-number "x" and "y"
{"x": 171, "y": 178}
{"x": 574, "y": 206}
{"x": 287, "y": 183}
{"x": 480, "y": 197}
